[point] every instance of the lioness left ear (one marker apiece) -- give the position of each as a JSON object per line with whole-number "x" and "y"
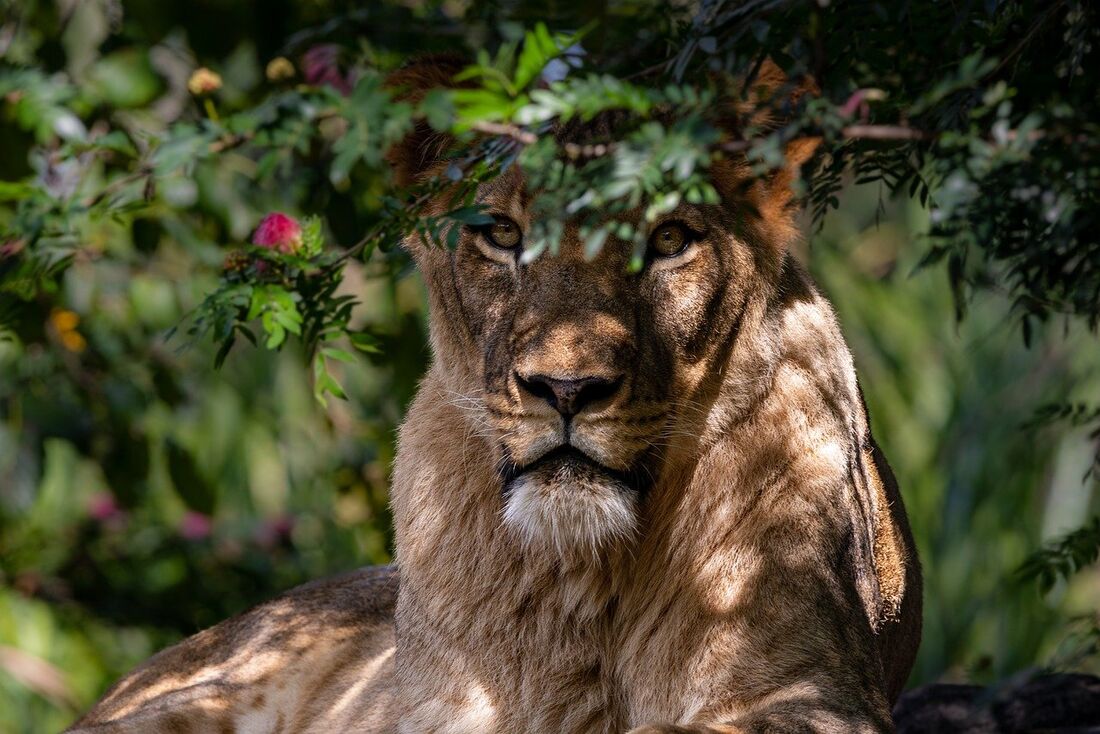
{"x": 423, "y": 147}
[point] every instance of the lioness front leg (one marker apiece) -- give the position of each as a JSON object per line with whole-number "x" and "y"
{"x": 793, "y": 716}
{"x": 780, "y": 723}
{"x": 801, "y": 717}
{"x": 781, "y": 641}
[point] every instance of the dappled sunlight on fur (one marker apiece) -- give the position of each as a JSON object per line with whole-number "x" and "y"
{"x": 709, "y": 541}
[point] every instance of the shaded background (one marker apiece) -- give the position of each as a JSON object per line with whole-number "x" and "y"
{"x": 144, "y": 495}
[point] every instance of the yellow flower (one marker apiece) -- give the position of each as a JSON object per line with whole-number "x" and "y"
{"x": 73, "y": 341}
{"x": 279, "y": 68}
{"x": 203, "y": 81}
{"x": 64, "y": 323}
{"x": 63, "y": 319}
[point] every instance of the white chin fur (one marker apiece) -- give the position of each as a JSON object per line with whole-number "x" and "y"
{"x": 574, "y": 515}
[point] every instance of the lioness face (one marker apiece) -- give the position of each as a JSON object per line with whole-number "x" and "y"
{"x": 589, "y": 374}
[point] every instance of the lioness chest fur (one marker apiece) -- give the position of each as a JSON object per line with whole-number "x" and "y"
{"x": 622, "y": 500}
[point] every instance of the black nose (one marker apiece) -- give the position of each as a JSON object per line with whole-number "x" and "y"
{"x": 569, "y": 397}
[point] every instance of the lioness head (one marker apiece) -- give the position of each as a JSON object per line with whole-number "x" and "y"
{"x": 587, "y": 379}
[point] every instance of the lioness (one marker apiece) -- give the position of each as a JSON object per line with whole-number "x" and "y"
{"x": 643, "y": 501}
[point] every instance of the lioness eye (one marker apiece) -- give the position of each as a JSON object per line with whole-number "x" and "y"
{"x": 504, "y": 233}
{"x": 669, "y": 239}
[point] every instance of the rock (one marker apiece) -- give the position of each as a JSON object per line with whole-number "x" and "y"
{"x": 1064, "y": 703}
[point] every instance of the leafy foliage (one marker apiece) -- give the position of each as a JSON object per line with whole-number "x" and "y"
{"x": 1063, "y": 558}
{"x": 1075, "y": 414}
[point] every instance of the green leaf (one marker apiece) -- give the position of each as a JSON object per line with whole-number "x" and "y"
{"x": 538, "y": 49}
{"x": 323, "y": 382}
{"x": 365, "y": 342}
{"x": 16, "y": 190}
{"x": 116, "y": 141}
{"x": 276, "y": 334}
{"x": 594, "y": 241}
{"x": 124, "y": 79}
{"x": 473, "y": 216}
{"x": 312, "y": 237}
{"x": 438, "y": 109}
{"x": 192, "y": 487}
{"x": 338, "y": 354}
{"x": 223, "y": 351}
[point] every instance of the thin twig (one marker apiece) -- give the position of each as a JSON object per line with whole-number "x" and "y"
{"x": 507, "y": 130}
{"x": 575, "y": 151}
{"x": 884, "y": 132}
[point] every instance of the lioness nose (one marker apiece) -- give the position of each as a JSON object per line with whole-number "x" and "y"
{"x": 570, "y": 396}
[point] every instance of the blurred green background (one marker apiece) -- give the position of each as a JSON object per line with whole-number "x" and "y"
{"x": 144, "y": 495}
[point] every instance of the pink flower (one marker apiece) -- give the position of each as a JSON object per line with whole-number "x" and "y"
{"x": 195, "y": 525}
{"x": 277, "y": 231}
{"x": 103, "y": 506}
{"x": 11, "y": 248}
{"x": 320, "y": 66}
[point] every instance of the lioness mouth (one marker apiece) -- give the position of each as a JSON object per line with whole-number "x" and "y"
{"x": 568, "y": 463}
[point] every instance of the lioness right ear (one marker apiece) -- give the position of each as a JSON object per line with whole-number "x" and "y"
{"x": 766, "y": 101}
{"x": 423, "y": 147}
{"x": 753, "y": 107}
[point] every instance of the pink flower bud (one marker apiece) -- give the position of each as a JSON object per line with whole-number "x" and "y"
{"x": 320, "y": 67}
{"x": 195, "y": 526}
{"x": 278, "y": 232}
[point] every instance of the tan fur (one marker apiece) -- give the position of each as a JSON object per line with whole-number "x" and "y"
{"x": 732, "y": 556}
{"x": 318, "y": 659}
